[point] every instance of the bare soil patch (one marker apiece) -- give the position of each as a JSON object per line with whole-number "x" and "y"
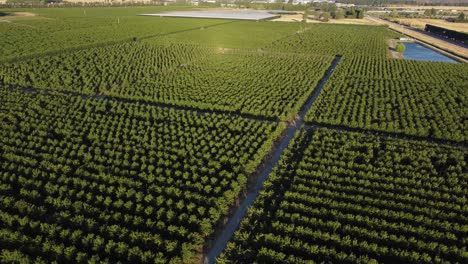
{"x": 27, "y": 14}
{"x": 289, "y": 18}
{"x": 363, "y": 21}
{"x": 17, "y": 14}
{"x": 298, "y": 18}
{"x": 9, "y": 17}
{"x": 391, "y": 50}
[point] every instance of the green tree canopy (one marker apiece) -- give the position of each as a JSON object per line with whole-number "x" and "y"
{"x": 400, "y": 47}
{"x": 461, "y": 16}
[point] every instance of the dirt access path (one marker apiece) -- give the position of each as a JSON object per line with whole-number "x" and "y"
{"x": 393, "y": 54}
{"x": 269, "y": 164}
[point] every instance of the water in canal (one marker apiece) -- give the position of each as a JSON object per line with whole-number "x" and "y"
{"x": 415, "y": 51}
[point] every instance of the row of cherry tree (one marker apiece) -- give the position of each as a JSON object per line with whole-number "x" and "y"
{"x": 425, "y": 99}
{"x": 262, "y": 84}
{"x": 98, "y": 180}
{"x": 343, "y": 197}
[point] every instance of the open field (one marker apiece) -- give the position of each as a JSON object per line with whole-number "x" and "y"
{"x": 130, "y": 139}
{"x": 421, "y": 23}
{"x": 298, "y": 18}
{"x": 347, "y": 21}
{"x": 413, "y": 7}
{"x": 351, "y": 21}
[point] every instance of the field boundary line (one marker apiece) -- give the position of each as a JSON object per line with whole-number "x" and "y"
{"x": 392, "y": 135}
{"x": 201, "y": 111}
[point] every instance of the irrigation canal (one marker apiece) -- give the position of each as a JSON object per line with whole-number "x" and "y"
{"x": 234, "y": 221}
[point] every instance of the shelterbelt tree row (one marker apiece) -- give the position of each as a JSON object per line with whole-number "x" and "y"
{"x": 341, "y": 197}
{"x": 101, "y": 181}
{"x": 262, "y": 84}
{"x": 426, "y": 99}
